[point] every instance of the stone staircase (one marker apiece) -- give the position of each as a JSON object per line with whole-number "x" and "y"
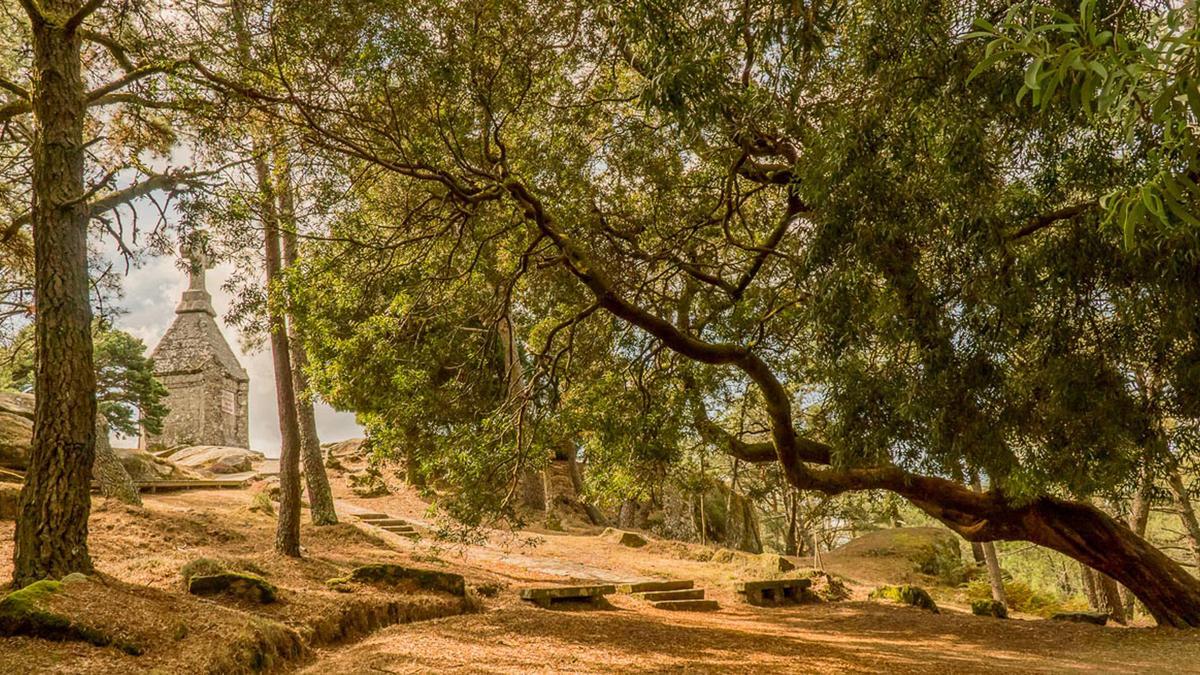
{"x": 678, "y": 595}
{"x": 389, "y": 524}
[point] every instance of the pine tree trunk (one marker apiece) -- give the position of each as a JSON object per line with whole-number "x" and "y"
{"x": 1187, "y": 515}
{"x": 110, "y": 473}
{"x": 287, "y": 531}
{"x": 320, "y": 497}
{"x": 51, "y": 532}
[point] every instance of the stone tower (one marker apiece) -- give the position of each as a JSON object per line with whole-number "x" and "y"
{"x": 207, "y": 389}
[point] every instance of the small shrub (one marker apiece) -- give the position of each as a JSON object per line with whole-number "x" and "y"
{"x": 261, "y": 503}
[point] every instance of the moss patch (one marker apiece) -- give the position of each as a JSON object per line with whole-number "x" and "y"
{"x": 23, "y": 612}
{"x": 908, "y": 595}
{"x": 246, "y": 586}
{"x": 445, "y": 582}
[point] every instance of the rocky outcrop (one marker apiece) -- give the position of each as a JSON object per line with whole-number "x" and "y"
{"x": 217, "y": 459}
{"x": 1097, "y": 618}
{"x": 9, "y": 494}
{"x": 623, "y": 537}
{"x": 245, "y": 586}
{"x": 16, "y": 429}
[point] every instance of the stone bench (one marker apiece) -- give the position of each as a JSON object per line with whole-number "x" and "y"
{"x": 545, "y": 596}
{"x": 773, "y": 592}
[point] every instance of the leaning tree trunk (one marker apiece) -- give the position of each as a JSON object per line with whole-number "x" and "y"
{"x": 1092, "y": 537}
{"x": 51, "y": 532}
{"x": 320, "y": 497}
{"x": 114, "y": 480}
{"x": 593, "y": 513}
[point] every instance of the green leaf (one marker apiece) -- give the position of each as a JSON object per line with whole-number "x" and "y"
{"x": 1031, "y": 73}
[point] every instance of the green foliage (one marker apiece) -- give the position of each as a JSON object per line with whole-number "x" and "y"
{"x": 1022, "y": 598}
{"x": 127, "y": 393}
{"x": 1131, "y": 69}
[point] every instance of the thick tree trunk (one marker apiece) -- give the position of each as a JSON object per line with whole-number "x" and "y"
{"x": 1091, "y": 537}
{"x": 1187, "y": 515}
{"x": 110, "y": 473}
{"x": 287, "y": 533}
{"x": 320, "y": 497}
{"x": 51, "y": 532}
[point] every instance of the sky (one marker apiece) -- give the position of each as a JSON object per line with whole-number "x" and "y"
{"x": 151, "y": 293}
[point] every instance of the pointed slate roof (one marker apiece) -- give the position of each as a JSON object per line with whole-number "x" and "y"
{"x": 195, "y": 340}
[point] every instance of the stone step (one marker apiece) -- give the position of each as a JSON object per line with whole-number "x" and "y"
{"x": 402, "y": 531}
{"x": 372, "y": 516}
{"x": 389, "y": 522}
{"x": 645, "y": 586}
{"x": 687, "y": 605}
{"x": 546, "y": 596}
{"x": 683, "y": 594}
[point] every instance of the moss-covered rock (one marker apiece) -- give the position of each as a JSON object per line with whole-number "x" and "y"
{"x": 445, "y": 582}
{"x": 1097, "y": 618}
{"x": 989, "y": 608}
{"x": 908, "y": 595}
{"x": 25, "y": 612}
{"x": 246, "y": 586}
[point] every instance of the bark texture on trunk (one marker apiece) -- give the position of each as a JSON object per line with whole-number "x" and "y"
{"x": 287, "y": 533}
{"x": 110, "y": 473}
{"x": 320, "y": 497}
{"x": 51, "y": 532}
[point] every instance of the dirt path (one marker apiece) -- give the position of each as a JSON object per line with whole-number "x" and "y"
{"x": 510, "y": 637}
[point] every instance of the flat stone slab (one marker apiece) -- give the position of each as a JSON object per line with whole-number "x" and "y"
{"x": 687, "y": 605}
{"x": 773, "y": 591}
{"x": 683, "y": 594}
{"x": 548, "y": 595}
{"x": 372, "y": 516}
{"x": 645, "y": 586}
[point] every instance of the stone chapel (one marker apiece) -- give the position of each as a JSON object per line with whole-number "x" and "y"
{"x": 207, "y": 389}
